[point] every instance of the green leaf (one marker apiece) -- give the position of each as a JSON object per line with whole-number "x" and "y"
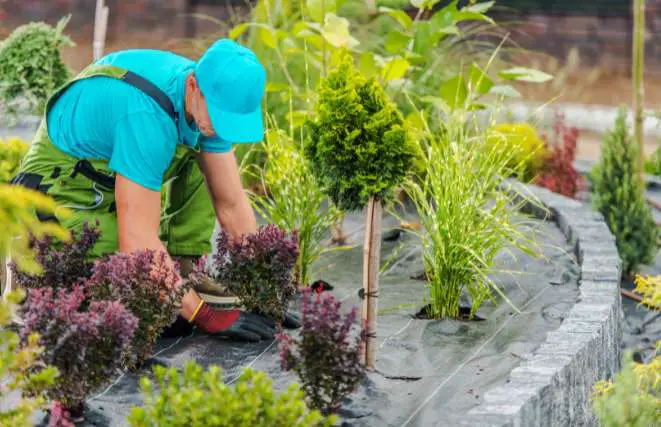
{"x": 336, "y": 31}
{"x": 417, "y": 3}
{"x": 299, "y": 27}
{"x": 523, "y": 74}
{"x": 425, "y": 38}
{"x": 396, "y": 41}
{"x": 505, "y": 90}
{"x": 400, "y": 16}
{"x": 454, "y": 92}
{"x": 395, "y": 69}
{"x": 438, "y": 103}
{"x": 238, "y": 30}
{"x": 472, "y": 16}
{"x": 267, "y": 37}
{"x": 319, "y": 8}
{"x": 480, "y": 7}
{"x": 297, "y": 118}
{"x": 276, "y": 87}
{"x": 478, "y": 80}
{"x": 367, "y": 64}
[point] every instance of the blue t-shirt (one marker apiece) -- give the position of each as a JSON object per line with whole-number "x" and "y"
{"x": 106, "y": 118}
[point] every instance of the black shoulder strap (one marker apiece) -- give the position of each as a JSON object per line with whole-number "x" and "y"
{"x": 154, "y": 92}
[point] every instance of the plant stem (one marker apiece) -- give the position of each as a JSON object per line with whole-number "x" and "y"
{"x": 638, "y": 71}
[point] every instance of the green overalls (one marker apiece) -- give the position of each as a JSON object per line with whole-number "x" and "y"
{"x": 86, "y": 186}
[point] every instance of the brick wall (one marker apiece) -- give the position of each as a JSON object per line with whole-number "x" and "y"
{"x": 160, "y": 17}
{"x": 602, "y": 39}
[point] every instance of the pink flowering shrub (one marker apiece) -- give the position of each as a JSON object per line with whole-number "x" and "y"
{"x": 148, "y": 287}
{"x": 64, "y": 264}
{"x": 259, "y": 269}
{"x": 84, "y": 341}
{"x": 325, "y": 357}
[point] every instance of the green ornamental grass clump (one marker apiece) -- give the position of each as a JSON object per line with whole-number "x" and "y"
{"x": 619, "y": 197}
{"x": 12, "y": 152}
{"x": 198, "y": 398}
{"x": 293, "y": 199}
{"x": 467, "y": 217}
{"x": 357, "y": 143}
{"x": 31, "y": 67}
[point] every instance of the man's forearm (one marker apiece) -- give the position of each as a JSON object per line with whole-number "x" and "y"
{"x": 237, "y": 219}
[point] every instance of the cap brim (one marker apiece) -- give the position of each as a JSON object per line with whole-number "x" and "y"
{"x": 237, "y": 128}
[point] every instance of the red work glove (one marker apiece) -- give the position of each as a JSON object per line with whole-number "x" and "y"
{"x": 233, "y": 323}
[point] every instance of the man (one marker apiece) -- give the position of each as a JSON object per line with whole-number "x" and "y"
{"x": 138, "y": 119}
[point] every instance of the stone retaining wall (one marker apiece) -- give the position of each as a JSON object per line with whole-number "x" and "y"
{"x": 553, "y": 386}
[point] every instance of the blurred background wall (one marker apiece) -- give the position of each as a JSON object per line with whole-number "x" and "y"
{"x": 598, "y": 32}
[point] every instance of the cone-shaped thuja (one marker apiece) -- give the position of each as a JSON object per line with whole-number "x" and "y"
{"x": 360, "y": 152}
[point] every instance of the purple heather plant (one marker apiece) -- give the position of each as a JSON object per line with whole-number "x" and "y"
{"x": 325, "y": 357}
{"x": 64, "y": 264}
{"x": 259, "y": 269}
{"x": 148, "y": 286}
{"x": 84, "y": 342}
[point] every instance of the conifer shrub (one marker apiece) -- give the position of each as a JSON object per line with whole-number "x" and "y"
{"x": 12, "y": 152}
{"x": 149, "y": 289}
{"x": 259, "y": 269}
{"x": 356, "y": 141}
{"x": 326, "y": 358}
{"x": 619, "y": 196}
{"x": 195, "y": 398}
{"x": 31, "y": 66}
{"x": 84, "y": 341}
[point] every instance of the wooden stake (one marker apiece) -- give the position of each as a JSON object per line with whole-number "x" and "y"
{"x": 371, "y": 262}
{"x": 100, "y": 28}
{"x": 638, "y": 71}
{"x": 6, "y": 279}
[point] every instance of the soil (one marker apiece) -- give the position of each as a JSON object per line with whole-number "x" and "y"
{"x": 428, "y": 371}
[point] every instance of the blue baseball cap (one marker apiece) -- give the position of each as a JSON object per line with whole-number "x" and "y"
{"x": 233, "y": 82}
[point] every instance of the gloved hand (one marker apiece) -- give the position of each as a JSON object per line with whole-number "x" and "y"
{"x": 235, "y": 324}
{"x": 292, "y": 321}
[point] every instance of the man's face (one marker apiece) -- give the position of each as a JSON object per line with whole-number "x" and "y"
{"x": 199, "y": 110}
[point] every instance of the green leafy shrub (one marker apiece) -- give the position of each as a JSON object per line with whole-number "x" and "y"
{"x": 12, "y": 152}
{"x": 632, "y": 400}
{"x": 467, "y": 215}
{"x": 31, "y": 66}
{"x": 527, "y": 148}
{"x": 20, "y": 370}
{"x": 293, "y": 199}
{"x": 356, "y": 144}
{"x": 619, "y": 197}
{"x": 653, "y": 163}
{"x": 196, "y": 398}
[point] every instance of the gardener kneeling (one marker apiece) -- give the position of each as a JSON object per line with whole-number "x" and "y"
{"x": 138, "y": 119}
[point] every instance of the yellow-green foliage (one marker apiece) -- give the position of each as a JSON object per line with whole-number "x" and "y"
{"x": 527, "y": 149}
{"x": 17, "y": 216}
{"x": 11, "y": 154}
{"x": 632, "y": 400}
{"x": 17, "y": 370}
{"x": 198, "y": 398}
{"x": 650, "y": 289}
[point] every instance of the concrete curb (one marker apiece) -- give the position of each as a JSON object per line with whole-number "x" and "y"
{"x": 553, "y": 387}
